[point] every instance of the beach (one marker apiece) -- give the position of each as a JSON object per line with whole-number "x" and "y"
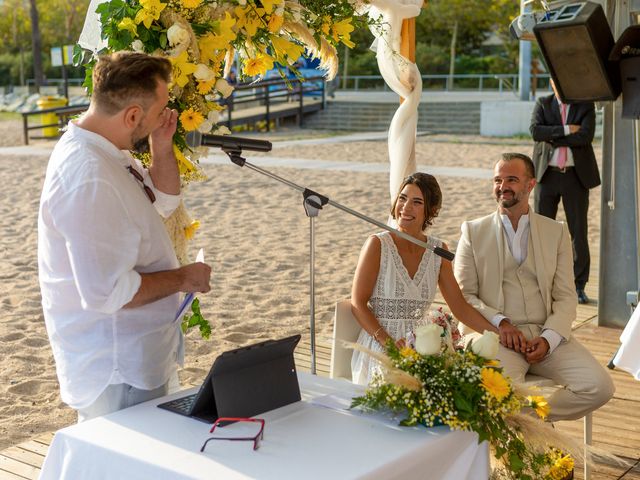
{"x": 256, "y": 238}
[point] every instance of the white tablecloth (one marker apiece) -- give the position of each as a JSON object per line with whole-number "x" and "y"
{"x": 628, "y": 356}
{"x": 301, "y": 441}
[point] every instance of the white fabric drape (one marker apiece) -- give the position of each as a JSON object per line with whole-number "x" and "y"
{"x": 90, "y": 38}
{"x": 403, "y": 77}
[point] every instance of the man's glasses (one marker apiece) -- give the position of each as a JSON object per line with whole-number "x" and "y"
{"x": 138, "y": 177}
{"x": 255, "y": 439}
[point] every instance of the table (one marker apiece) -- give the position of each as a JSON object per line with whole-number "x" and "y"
{"x": 628, "y": 356}
{"x": 301, "y": 441}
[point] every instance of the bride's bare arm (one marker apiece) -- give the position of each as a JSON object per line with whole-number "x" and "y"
{"x": 364, "y": 281}
{"x": 456, "y": 302}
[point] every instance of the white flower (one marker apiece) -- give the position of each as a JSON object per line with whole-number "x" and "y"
{"x": 206, "y": 126}
{"x": 204, "y": 73}
{"x": 177, "y": 35}
{"x": 223, "y": 87}
{"x": 222, "y": 130}
{"x": 428, "y": 339}
{"x": 487, "y": 345}
{"x": 213, "y": 116}
{"x": 137, "y": 46}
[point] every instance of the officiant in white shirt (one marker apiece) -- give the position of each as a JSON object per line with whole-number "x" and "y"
{"x": 109, "y": 277}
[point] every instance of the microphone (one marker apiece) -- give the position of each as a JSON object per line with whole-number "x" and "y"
{"x": 227, "y": 142}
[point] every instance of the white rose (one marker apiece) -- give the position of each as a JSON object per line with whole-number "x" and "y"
{"x": 137, "y": 46}
{"x": 204, "y": 73}
{"x": 205, "y": 126}
{"x": 222, "y": 130}
{"x": 223, "y": 87}
{"x": 487, "y": 345}
{"x": 213, "y": 116}
{"x": 177, "y": 35}
{"x": 428, "y": 339}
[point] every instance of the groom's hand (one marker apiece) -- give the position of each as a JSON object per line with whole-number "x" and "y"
{"x": 537, "y": 350}
{"x": 511, "y": 337}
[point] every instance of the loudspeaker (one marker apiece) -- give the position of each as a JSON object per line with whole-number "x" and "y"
{"x": 575, "y": 41}
{"x": 627, "y": 52}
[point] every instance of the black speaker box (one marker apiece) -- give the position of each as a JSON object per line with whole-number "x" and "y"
{"x": 627, "y": 52}
{"x": 575, "y": 41}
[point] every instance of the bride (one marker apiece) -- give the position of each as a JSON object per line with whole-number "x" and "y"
{"x": 395, "y": 279}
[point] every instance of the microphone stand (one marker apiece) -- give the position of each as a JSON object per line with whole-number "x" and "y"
{"x": 313, "y": 203}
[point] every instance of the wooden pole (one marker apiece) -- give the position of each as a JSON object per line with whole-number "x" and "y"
{"x": 408, "y": 50}
{"x": 408, "y": 41}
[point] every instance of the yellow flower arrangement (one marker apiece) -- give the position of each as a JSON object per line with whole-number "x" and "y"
{"x": 203, "y": 39}
{"x": 466, "y": 391}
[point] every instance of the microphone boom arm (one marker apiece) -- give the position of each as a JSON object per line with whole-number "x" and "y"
{"x": 235, "y": 155}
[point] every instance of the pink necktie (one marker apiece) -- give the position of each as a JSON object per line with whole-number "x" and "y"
{"x": 562, "y": 151}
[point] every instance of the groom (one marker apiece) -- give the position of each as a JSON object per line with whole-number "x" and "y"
{"x": 516, "y": 268}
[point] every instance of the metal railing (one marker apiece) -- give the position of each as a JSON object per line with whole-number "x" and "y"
{"x": 270, "y": 92}
{"x": 502, "y": 82}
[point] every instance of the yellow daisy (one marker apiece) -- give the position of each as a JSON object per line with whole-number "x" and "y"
{"x": 191, "y": 119}
{"x": 540, "y": 405}
{"x": 258, "y": 65}
{"x": 494, "y": 383}
{"x": 205, "y": 86}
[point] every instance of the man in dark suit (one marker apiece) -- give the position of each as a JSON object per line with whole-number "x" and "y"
{"x": 566, "y": 168}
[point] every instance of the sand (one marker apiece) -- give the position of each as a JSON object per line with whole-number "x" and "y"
{"x": 256, "y": 237}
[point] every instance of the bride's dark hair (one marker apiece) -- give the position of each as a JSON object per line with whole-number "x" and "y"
{"x": 431, "y": 193}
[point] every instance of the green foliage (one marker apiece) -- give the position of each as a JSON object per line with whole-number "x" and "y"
{"x": 196, "y": 319}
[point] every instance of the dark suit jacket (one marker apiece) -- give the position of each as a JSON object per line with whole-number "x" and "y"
{"x": 548, "y": 133}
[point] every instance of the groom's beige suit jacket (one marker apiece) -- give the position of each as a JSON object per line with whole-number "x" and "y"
{"x": 479, "y": 267}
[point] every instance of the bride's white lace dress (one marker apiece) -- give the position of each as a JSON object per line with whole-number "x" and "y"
{"x": 398, "y": 301}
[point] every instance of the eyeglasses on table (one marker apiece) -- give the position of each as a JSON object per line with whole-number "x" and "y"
{"x": 223, "y": 420}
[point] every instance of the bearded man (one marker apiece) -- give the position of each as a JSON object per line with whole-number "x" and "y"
{"x": 109, "y": 277}
{"x": 516, "y": 268}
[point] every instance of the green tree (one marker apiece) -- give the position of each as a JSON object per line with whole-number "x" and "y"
{"x": 461, "y": 27}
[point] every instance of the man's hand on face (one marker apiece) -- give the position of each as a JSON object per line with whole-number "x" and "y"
{"x": 511, "y": 337}
{"x": 537, "y": 350}
{"x": 162, "y": 137}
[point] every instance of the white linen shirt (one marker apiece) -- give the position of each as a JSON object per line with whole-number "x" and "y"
{"x": 518, "y": 242}
{"x": 97, "y": 232}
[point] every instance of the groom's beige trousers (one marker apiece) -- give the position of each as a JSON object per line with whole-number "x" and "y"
{"x": 584, "y": 385}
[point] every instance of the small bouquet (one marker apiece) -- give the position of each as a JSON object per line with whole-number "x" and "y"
{"x": 450, "y": 335}
{"x": 436, "y": 384}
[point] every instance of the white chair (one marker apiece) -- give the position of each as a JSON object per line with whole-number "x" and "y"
{"x": 543, "y": 382}
{"x": 347, "y": 328}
